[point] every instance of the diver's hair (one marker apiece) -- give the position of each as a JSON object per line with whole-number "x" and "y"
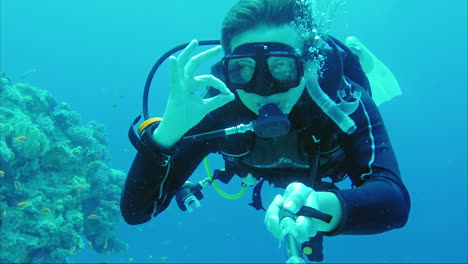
{"x": 247, "y": 14}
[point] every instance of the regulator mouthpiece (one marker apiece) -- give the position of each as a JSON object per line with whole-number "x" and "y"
{"x": 271, "y": 122}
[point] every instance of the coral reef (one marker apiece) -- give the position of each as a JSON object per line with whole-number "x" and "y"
{"x": 58, "y": 193}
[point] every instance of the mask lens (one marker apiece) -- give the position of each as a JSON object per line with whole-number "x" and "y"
{"x": 283, "y": 68}
{"x": 264, "y": 68}
{"x": 241, "y": 70}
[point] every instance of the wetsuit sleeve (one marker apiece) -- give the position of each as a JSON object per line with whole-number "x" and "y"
{"x": 379, "y": 201}
{"x": 150, "y": 187}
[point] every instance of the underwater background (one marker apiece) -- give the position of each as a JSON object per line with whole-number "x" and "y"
{"x": 76, "y": 72}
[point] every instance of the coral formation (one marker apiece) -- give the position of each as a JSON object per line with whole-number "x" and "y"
{"x": 58, "y": 192}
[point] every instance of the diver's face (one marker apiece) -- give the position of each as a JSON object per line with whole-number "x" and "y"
{"x": 282, "y": 34}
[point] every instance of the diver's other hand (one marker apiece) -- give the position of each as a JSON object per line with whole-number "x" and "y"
{"x": 295, "y": 197}
{"x": 185, "y": 107}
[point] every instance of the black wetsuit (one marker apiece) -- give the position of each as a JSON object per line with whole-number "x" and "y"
{"x": 378, "y": 200}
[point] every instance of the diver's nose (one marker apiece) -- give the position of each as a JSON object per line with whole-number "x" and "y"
{"x": 264, "y": 82}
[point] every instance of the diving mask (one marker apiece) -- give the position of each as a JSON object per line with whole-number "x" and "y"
{"x": 263, "y": 68}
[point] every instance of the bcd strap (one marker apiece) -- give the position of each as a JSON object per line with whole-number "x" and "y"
{"x": 257, "y": 196}
{"x": 352, "y": 67}
{"x": 315, "y": 247}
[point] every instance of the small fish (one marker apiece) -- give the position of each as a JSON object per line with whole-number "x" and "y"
{"x": 73, "y": 249}
{"x": 46, "y": 211}
{"x": 22, "y": 204}
{"x": 18, "y": 185}
{"x": 27, "y": 73}
{"x": 105, "y": 244}
{"x": 164, "y": 259}
{"x": 93, "y": 216}
{"x": 130, "y": 260}
{"x": 93, "y": 164}
{"x": 2, "y": 174}
{"x": 90, "y": 244}
{"x": 80, "y": 187}
{"x": 111, "y": 202}
{"x": 4, "y": 213}
{"x": 21, "y": 138}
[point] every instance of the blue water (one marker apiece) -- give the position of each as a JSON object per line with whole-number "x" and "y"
{"x": 96, "y": 55}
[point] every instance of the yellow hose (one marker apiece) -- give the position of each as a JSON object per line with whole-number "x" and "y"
{"x": 217, "y": 188}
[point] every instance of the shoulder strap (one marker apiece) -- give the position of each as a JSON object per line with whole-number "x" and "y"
{"x": 351, "y": 66}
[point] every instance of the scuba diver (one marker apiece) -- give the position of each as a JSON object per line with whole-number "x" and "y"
{"x": 285, "y": 105}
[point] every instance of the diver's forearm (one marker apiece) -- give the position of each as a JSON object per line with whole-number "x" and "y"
{"x": 377, "y": 206}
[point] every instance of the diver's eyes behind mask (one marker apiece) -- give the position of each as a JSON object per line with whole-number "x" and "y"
{"x": 241, "y": 70}
{"x": 263, "y": 68}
